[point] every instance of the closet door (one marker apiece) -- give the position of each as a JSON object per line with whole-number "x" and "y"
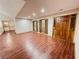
{"x": 35, "y": 26}
{"x": 40, "y": 26}
{"x": 46, "y": 26}
{"x": 43, "y": 26}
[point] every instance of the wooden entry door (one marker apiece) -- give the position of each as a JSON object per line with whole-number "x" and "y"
{"x": 63, "y": 27}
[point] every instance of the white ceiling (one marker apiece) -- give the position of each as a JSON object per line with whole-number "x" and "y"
{"x": 50, "y": 6}
{"x": 25, "y": 8}
{"x": 11, "y": 7}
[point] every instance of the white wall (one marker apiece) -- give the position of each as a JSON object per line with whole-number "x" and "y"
{"x": 1, "y": 28}
{"x": 10, "y": 8}
{"x": 11, "y": 25}
{"x": 22, "y": 25}
{"x": 76, "y": 38}
{"x": 50, "y": 25}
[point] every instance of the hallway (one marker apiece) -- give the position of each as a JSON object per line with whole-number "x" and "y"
{"x": 33, "y": 45}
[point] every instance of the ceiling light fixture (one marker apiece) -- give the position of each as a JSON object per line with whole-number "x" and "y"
{"x": 29, "y": 17}
{"x": 42, "y": 10}
{"x": 34, "y": 14}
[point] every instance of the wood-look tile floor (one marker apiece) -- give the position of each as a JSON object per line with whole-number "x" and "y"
{"x": 34, "y": 46}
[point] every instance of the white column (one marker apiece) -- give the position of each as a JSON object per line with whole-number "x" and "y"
{"x": 50, "y": 25}
{"x": 76, "y": 38}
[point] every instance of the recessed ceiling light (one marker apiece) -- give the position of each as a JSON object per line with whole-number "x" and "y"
{"x": 34, "y": 14}
{"x": 29, "y": 16}
{"x": 42, "y": 10}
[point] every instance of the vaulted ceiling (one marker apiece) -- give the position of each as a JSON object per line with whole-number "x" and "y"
{"x": 50, "y": 7}
{"x": 25, "y": 8}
